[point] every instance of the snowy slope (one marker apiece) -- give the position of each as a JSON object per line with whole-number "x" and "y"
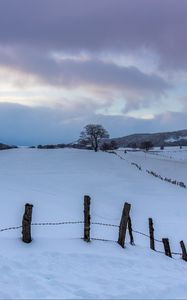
{"x": 57, "y": 264}
{"x": 171, "y": 163}
{"x": 173, "y": 154}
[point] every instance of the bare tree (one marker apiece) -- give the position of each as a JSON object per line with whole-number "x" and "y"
{"x": 92, "y": 134}
{"x": 147, "y": 145}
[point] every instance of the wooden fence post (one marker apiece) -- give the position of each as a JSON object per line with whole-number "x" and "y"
{"x": 167, "y": 247}
{"x": 130, "y": 231}
{"x": 26, "y": 223}
{"x": 184, "y": 254}
{"x": 151, "y": 234}
{"x": 87, "y": 218}
{"x": 123, "y": 224}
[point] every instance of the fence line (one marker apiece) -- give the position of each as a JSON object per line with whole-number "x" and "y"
{"x": 150, "y": 172}
{"x": 125, "y": 225}
{"x": 82, "y": 222}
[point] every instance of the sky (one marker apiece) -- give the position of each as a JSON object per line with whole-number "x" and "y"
{"x": 68, "y": 63}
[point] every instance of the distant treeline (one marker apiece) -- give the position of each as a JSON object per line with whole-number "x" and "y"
{"x": 59, "y": 146}
{"x": 6, "y": 147}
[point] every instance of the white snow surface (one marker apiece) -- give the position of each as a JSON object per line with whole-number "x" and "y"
{"x": 180, "y": 155}
{"x": 172, "y": 139}
{"x": 58, "y": 264}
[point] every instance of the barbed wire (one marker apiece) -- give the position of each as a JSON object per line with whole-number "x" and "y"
{"x": 93, "y": 238}
{"x": 10, "y": 228}
{"x": 141, "y": 233}
{"x": 173, "y": 253}
{"x": 57, "y": 223}
{"x": 42, "y": 224}
{"x": 176, "y": 253}
{"x": 103, "y": 240}
{"x": 104, "y": 224}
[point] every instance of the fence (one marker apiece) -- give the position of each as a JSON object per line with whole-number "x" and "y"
{"x": 124, "y": 226}
{"x": 172, "y": 181}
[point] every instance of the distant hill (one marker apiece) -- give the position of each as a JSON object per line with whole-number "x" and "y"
{"x": 6, "y": 147}
{"x": 175, "y": 138}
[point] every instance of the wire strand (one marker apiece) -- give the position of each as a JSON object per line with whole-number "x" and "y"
{"x": 93, "y": 223}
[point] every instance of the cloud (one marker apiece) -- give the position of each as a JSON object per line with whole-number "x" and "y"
{"x": 23, "y": 125}
{"x": 183, "y": 101}
{"x": 31, "y": 33}
{"x": 77, "y": 60}
{"x": 107, "y": 25}
{"x": 73, "y": 72}
{"x": 137, "y": 88}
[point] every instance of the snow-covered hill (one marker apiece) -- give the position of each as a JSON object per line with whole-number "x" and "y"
{"x": 58, "y": 264}
{"x": 174, "y": 138}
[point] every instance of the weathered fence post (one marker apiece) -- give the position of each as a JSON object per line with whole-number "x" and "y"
{"x": 87, "y": 218}
{"x": 151, "y": 234}
{"x": 130, "y": 231}
{"x": 123, "y": 224}
{"x": 26, "y": 223}
{"x": 184, "y": 254}
{"x": 167, "y": 247}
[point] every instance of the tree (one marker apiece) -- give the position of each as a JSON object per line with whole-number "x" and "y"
{"x": 92, "y": 135}
{"x": 146, "y": 145}
{"x": 109, "y": 146}
{"x": 113, "y": 145}
{"x": 132, "y": 145}
{"x": 105, "y": 147}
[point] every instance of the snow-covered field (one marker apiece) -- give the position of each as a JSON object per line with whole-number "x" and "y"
{"x": 171, "y": 153}
{"x": 58, "y": 264}
{"x": 169, "y": 163}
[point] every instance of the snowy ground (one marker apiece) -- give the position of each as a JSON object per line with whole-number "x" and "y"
{"x": 172, "y": 153}
{"x": 58, "y": 264}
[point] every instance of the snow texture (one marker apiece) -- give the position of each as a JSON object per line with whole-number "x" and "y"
{"x": 58, "y": 264}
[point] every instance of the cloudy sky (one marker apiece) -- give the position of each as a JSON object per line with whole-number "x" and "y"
{"x": 67, "y": 63}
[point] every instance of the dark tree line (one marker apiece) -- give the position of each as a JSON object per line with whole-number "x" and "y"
{"x": 147, "y": 145}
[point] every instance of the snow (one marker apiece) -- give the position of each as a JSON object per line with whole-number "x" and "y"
{"x": 58, "y": 264}
{"x": 172, "y": 139}
{"x": 172, "y": 164}
{"x": 180, "y": 155}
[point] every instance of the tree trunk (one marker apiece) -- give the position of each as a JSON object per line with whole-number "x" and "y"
{"x": 96, "y": 144}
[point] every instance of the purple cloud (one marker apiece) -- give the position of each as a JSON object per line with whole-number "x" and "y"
{"x": 32, "y": 31}
{"x": 106, "y": 25}
{"x": 69, "y": 72}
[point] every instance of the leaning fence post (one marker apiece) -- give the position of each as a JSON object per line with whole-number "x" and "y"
{"x": 184, "y": 254}
{"x": 151, "y": 234}
{"x": 123, "y": 224}
{"x": 130, "y": 231}
{"x": 26, "y": 223}
{"x": 167, "y": 247}
{"x": 87, "y": 218}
